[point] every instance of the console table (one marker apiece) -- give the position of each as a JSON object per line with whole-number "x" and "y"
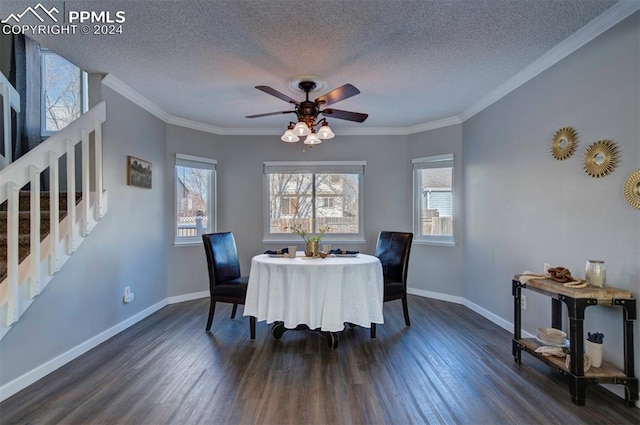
{"x": 577, "y": 300}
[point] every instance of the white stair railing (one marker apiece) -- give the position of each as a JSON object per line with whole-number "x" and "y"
{"x": 48, "y": 256}
{"x": 10, "y": 100}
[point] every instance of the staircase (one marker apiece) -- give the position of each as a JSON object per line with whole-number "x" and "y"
{"x": 10, "y": 100}
{"x": 40, "y": 230}
{"x": 24, "y": 224}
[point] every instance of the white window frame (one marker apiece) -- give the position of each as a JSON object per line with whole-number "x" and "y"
{"x": 84, "y": 92}
{"x": 212, "y": 215}
{"x": 436, "y": 161}
{"x": 319, "y": 167}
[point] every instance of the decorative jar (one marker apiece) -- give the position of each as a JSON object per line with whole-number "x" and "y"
{"x": 595, "y": 273}
{"x": 312, "y": 249}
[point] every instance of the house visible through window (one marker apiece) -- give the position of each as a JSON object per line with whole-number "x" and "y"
{"x": 314, "y": 195}
{"x": 195, "y": 198}
{"x": 433, "y": 199}
{"x": 63, "y": 92}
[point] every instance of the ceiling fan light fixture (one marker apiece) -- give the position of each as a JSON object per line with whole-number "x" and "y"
{"x": 325, "y": 131}
{"x": 307, "y": 111}
{"x": 289, "y": 136}
{"x": 301, "y": 129}
{"x": 312, "y": 139}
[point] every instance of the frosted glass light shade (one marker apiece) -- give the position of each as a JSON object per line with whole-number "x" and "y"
{"x": 325, "y": 132}
{"x": 301, "y": 129}
{"x": 289, "y": 137}
{"x": 312, "y": 139}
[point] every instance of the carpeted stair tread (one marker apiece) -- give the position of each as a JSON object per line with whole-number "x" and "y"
{"x": 23, "y": 252}
{"x": 24, "y": 221}
{"x": 24, "y": 224}
{"x": 45, "y": 197}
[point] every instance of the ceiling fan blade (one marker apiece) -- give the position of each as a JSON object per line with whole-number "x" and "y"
{"x": 270, "y": 113}
{"x": 336, "y": 95}
{"x": 276, "y": 93}
{"x": 345, "y": 115}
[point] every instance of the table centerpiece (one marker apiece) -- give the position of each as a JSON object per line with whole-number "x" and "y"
{"x": 312, "y": 241}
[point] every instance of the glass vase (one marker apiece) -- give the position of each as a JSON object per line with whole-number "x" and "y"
{"x": 312, "y": 249}
{"x": 595, "y": 273}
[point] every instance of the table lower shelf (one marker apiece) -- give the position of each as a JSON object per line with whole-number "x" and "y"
{"x": 606, "y": 373}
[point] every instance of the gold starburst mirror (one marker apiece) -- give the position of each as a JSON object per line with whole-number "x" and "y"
{"x": 632, "y": 189}
{"x": 600, "y": 158}
{"x": 564, "y": 143}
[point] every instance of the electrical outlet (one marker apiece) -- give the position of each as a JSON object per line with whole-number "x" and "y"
{"x": 523, "y": 302}
{"x": 128, "y": 295}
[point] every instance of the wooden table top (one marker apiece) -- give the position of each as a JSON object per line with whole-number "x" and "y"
{"x": 604, "y": 295}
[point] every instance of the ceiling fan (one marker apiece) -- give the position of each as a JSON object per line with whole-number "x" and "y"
{"x": 307, "y": 112}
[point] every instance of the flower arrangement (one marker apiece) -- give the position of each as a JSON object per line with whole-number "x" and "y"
{"x": 300, "y": 231}
{"x": 596, "y": 337}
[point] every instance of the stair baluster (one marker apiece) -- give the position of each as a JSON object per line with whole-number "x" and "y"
{"x": 39, "y": 249}
{"x": 34, "y": 235}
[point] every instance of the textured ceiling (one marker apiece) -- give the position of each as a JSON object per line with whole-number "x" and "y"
{"x": 415, "y": 62}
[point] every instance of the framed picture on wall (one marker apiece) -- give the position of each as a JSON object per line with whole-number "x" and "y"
{"x": 138, "y": 172}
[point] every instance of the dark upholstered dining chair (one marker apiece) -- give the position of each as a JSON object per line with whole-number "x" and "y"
{"x": 226, "y": 284}
{"x": 393, "y": 249}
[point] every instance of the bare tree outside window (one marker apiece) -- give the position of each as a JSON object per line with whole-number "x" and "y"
{"x": 193, "y": 187}
{"x": 61, "y": 92}
{"x": 320, "y": 200}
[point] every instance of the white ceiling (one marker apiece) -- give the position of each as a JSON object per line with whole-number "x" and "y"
{"x": 415, "y": 61}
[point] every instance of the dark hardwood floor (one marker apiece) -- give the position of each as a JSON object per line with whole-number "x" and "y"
{"x": 451, "y": 366}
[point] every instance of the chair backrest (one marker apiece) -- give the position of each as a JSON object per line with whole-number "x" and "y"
{"x": 393, "y": 250}
{"x": 222, "y": 257}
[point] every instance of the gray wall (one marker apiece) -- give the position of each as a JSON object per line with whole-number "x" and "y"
{"x": 127, "y": 248}
{"x": 520, "y": 207}
{"x": 387, "y": 191}
{"x": 439, "y": 268}
{"x": 186, "y": 265}
{"x": 524, "y": 208}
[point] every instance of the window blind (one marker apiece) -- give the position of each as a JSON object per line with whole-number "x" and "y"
{"x": 183, "y": 160}
{"x": 341, "y": 167}
{"x": 440, "y": 161}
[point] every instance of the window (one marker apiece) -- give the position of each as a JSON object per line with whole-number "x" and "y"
{"x": 63, "y": 92}
{"x": 195, "y": 198}
{"x": 433, "y": 199}
{"x": 313, "y": 195}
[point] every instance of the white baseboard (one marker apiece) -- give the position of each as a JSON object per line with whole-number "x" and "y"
{"x": 188, "y": 297}
{"x": 40, "y": 372}
{"x": 43, "y": 370}
{"x": 435, "y": 295}
{"x": 504, "y": 324}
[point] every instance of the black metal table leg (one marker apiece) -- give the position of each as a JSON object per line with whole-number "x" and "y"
{"x": 556, "y": 314}
{"x": 516, "y": 291}
{"x": 278, "y": 329}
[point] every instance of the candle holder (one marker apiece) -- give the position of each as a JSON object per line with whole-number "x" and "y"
{"x": 595, "y": 273}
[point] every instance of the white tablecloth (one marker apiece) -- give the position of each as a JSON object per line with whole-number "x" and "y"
{"x": 321, "y": 292}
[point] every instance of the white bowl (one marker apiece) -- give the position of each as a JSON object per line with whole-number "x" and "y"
{"x": 555, "y": 336}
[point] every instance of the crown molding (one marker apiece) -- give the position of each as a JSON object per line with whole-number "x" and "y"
{"x": 605, "y": 21}
{"x": 135, "y": 97}
{"x": 600, "y": 24}
{"x": 222, "y": 131}
{"x": 124, "y": 90}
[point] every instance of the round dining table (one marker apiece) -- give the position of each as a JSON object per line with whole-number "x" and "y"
{"x": 315, "y": 293}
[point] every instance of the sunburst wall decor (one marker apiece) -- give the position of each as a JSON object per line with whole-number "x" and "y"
{"x": 600, "y": 158}
{"x": 632, "y": 189}
{"x": 564, "y": 143}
